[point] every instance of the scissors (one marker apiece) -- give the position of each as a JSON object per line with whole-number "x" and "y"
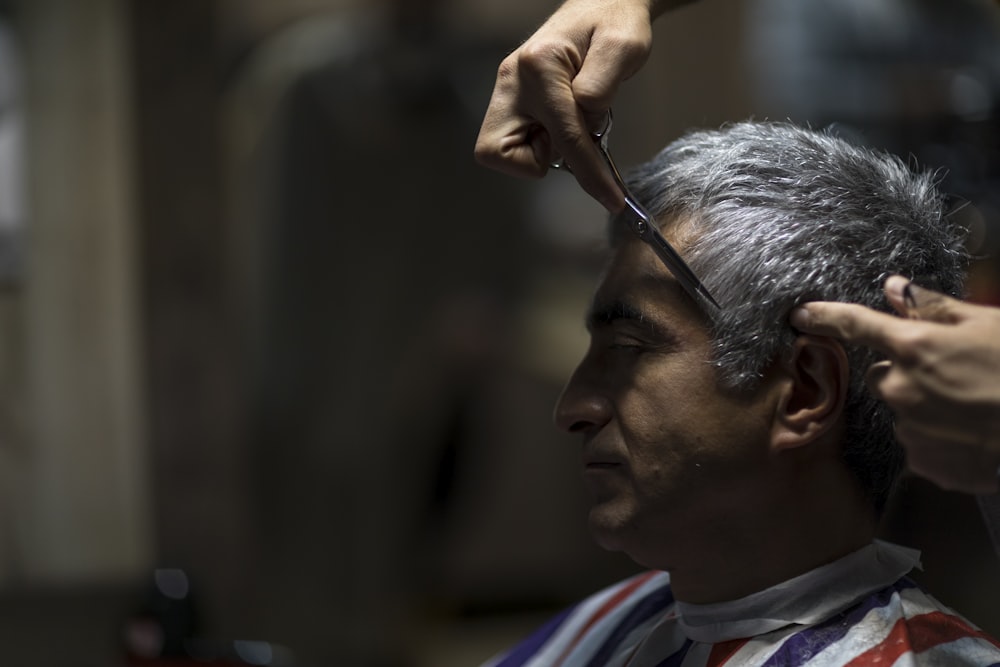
{"x": 643, "y": 226}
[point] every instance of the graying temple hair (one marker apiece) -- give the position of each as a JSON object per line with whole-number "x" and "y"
{"x": 782, "y": 215}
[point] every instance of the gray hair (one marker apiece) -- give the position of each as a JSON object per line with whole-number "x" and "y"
{"x": 782, "y": 215}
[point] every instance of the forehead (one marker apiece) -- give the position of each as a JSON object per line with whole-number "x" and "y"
{"x": 636, "y": 279}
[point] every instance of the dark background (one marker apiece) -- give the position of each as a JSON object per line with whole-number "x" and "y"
{"x": 264, "y": 320}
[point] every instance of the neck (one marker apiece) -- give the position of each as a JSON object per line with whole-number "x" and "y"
{"x": 808, "y": 522}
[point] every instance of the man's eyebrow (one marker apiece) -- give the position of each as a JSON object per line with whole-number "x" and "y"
{"x": 606, "y": 313}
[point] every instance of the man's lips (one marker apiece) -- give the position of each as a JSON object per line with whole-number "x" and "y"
{"x": 600, "y": 462}
{"x": 601, "y": 466}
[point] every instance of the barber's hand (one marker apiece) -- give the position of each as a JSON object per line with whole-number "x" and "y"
{"x": 558, "y": 86}
{"x": 943, "y": 382}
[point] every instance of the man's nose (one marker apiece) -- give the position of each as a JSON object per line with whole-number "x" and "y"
{"x": 581, "y": 406}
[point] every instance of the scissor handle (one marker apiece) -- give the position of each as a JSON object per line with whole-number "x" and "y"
{"x": 600, "y": 138}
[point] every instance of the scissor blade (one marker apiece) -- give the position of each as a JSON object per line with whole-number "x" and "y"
{"x": 682, "y": 272}
{"x": 648, "y": 232}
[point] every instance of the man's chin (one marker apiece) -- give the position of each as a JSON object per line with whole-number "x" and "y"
{"x": 606, "y": 529}
{"x": 616, "y": 530}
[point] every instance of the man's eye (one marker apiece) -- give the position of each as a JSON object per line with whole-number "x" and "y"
{"x": 626, "y": 344}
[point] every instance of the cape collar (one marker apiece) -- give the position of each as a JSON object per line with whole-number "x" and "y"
{"x": 806, "y": 599}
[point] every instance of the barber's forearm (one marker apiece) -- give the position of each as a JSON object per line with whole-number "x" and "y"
{"x": 659, "y": 7}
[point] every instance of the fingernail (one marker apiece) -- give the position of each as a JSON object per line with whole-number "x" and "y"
{"x": 799, "y": 317}
{"x": 917, "y": 294}
{"x": 908, "y": 297}
{"x": 896, "y": 288}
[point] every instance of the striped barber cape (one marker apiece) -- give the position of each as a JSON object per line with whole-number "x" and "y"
{"x": 859, "y": 611}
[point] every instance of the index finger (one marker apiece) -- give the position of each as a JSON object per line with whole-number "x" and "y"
{"x": 581, "y": 154}
{"x": 573, "y": 141}
{"x": 852, "y": 323}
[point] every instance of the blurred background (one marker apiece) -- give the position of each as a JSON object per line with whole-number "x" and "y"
{"x": 277, "y": 359}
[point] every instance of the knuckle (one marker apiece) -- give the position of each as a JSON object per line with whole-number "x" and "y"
{"x": 630, "y": 49}
{"x": 538, "y": 56}
{"x": 535, "y": 58}
{"x": 591, "y": 95}
{"x": 629, "y": 46}
{"x": 911, "y": 345}
{"x": 508, "y": 69}
{"x": 484, "y": 153}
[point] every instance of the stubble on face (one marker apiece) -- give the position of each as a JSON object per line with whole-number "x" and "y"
{"x": 672, "y": 437}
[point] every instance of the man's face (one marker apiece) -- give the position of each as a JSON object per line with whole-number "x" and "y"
{"x": 665, "y": 450}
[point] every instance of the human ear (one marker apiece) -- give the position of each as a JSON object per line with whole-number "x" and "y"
{"x": 812, "y": 398}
